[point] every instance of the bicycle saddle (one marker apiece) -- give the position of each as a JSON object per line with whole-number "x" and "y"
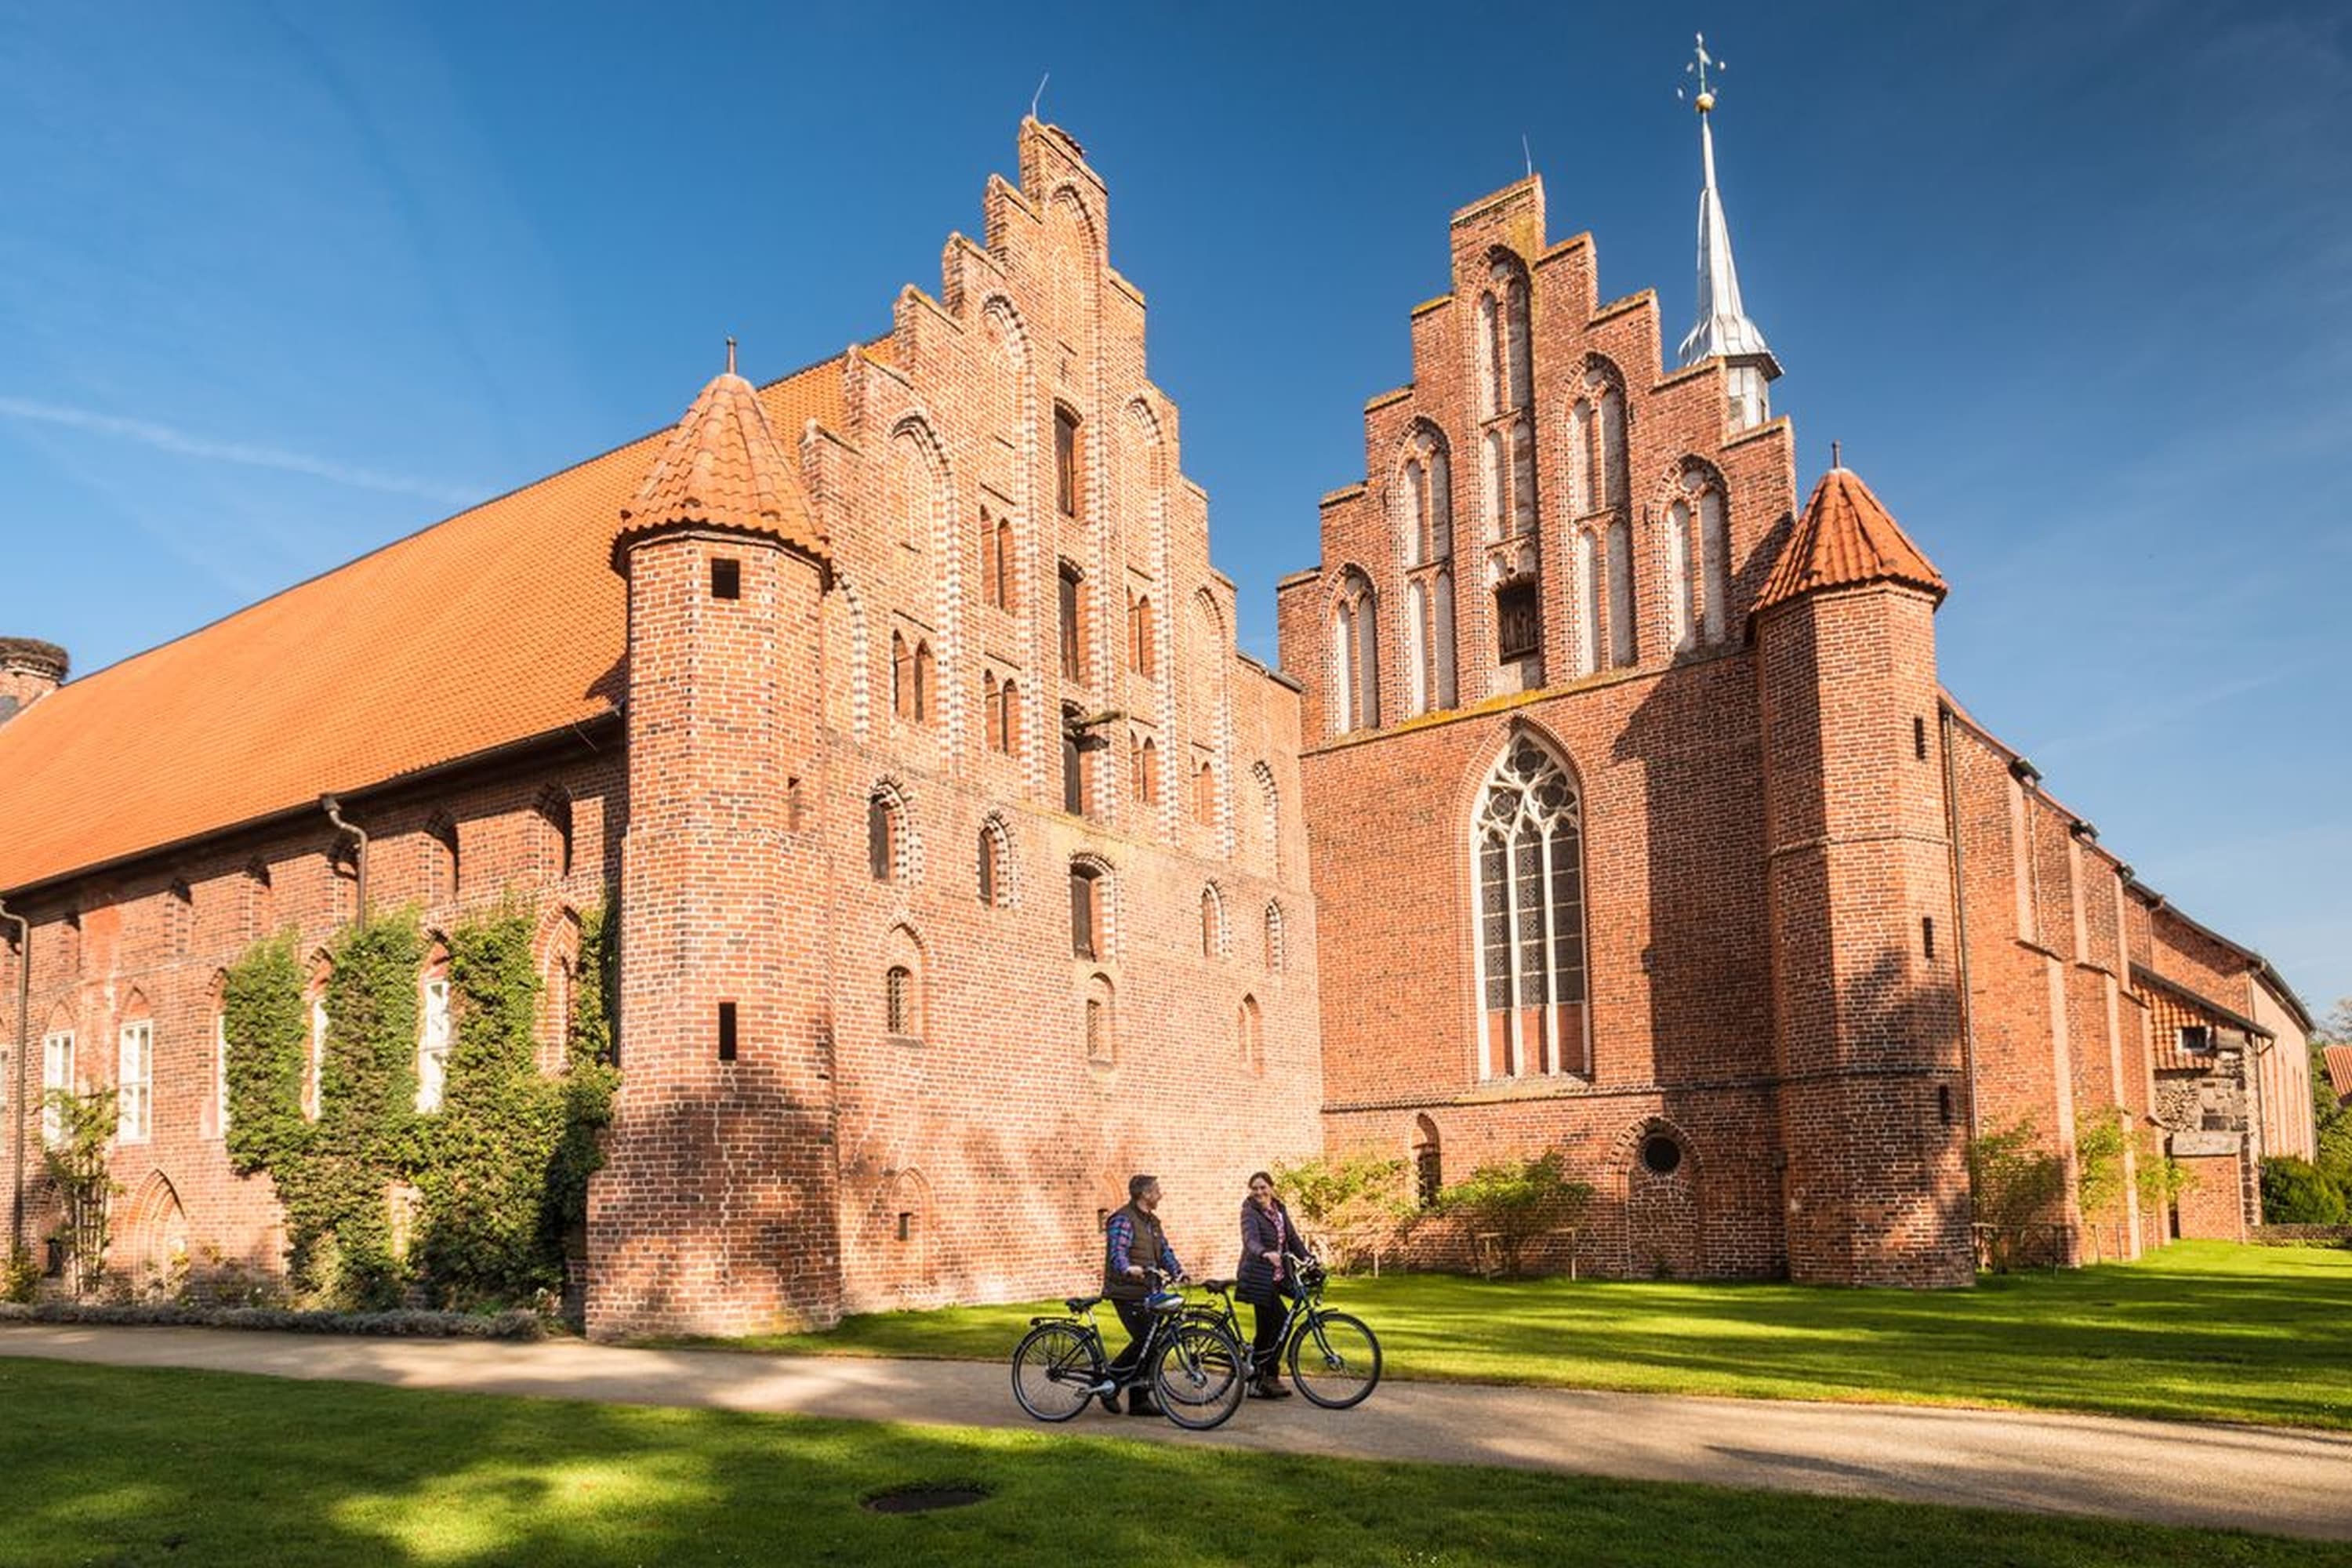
{"x": 1080, "y": 1303}
{"x": 1220, "y": 1286}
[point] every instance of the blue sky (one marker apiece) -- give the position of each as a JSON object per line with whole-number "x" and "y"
{"x": 2072, "y": 284}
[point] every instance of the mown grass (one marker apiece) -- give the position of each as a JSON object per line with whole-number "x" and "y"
{"x": 133, "y": 1467}
{"x": 2202, "y": 1331}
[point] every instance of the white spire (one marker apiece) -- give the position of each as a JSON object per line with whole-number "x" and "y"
{"x": 1723, "y": 328}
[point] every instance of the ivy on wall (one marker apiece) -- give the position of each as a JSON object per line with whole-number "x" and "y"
{"x": 499, "y": 1172}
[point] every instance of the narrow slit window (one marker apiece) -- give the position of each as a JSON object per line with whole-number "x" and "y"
{"x": 1920, "y": 738}
{"x": 1928, "y": 934}
{"x": 725, "y": 579}
{"x": 726, "y": 1031}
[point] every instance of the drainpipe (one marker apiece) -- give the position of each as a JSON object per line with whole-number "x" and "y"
{"x": 24, "y": 1037}
{"x": 334, "y": 810}
{"x": 1961, "y": 928}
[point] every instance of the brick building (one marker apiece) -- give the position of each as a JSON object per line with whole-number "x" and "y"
{"x": 963, "y": 864}
{"x": 1715, "y": 886}
{"x": 898, "y": 703}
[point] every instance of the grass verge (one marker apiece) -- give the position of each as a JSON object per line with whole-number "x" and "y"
{"x": 2203, "y": 1331}
{"x": 133, "y": 1467}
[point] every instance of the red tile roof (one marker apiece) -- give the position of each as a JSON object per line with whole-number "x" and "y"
{"x": 2339, "y": 1070}
{"x": 722, "y": 467}
{"x": 1845, "y": 539}
{"x": 500, "y": 624}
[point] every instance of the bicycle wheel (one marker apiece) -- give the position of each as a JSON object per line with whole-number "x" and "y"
{"x": 1055, "y": 1370}
{"x": 1200, "y": 1377}
{"x": 1335, "y": 1361}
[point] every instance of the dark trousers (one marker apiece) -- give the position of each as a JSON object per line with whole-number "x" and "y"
{"x": 1137, "y": 1322}
{"x": 1266, "y": 1346}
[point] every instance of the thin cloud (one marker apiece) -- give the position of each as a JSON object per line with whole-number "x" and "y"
{"x": 164, "y": 439}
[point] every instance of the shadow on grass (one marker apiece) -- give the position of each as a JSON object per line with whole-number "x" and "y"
{"x": 136, "y": 1466}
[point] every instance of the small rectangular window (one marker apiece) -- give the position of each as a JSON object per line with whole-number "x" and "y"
{"x": 1518, "y": 624}
{"x": 906, "y": 1226}
{"x": 725, "y": 579}
{"x": 2197, "y": 1037}
{"x": 1928, "y": 934}
{"x": 726, "y": 1031}
{"x": 1920, "y": 738}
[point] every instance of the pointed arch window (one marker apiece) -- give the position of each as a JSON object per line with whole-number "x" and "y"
{"x": 1072, "y": 622}
{"x": 1356, "y": 660}
{"x": 1612, "y": 414}
{"x": 1584, "y": 598}
{"x": 1213, "y": 923}
{"x": 1142, "y": 641}
{"x": 1581, "y": 498}
{"x": 1622, "y": 646}
{"x": 995, "y": 560}
{"x": 1513, "y": 352}
{"x": 1698, "y": 572}
{"x": 1523, "y": 477}
{"x": 1252, "y": 1036}
{"x": 886, "y": 831}
{"x": 1494, "y": 483}
{"x": 1483, "y": 367}
{"x": 995, "y": 864}
{"x": 1529, "y": 852}
{"x": 1065, "y": 461}
{"x": 1428, "y": 1163}
{"x": 434, "y": 1035}
{"x": 1204, "y": 792}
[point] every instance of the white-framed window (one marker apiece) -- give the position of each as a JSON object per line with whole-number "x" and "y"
{"x": 56, "y": 1078}
{"x": 134, "y": 1082}
{"x": 316, "y": 1067}
{"x": 432, "y": 1047}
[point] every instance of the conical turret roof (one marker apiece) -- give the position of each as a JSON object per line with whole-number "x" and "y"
{"x": 1845, "y": 539}
{"x": 723, "y": 467}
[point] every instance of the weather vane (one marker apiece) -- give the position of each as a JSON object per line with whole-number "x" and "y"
{"x": 1699, "y": 66}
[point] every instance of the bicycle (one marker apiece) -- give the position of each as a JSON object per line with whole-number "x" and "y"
{"x": 1197, "y": 1371}
{"x": 1335, "y": 1359}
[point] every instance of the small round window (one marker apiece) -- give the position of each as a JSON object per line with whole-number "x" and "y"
{"x": 1661, "y": 1154}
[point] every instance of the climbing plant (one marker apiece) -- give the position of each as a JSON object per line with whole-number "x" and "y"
{"x": 485, "y": 1154}
{"x": 590, "y": 1077}
{"x": 262, "y": 1017}
{"x": 499, "y": 1170}
{"x": 76, "y": 1163}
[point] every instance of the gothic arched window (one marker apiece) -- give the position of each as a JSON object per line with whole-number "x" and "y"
{"x": 1355, "y": 656}
{"x": 1529, "y": 851}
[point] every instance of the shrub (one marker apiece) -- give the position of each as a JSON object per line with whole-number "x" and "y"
{"x": 2297, "y": 1192}
{"x": 2015, "y": 1184}
{"x": 1354, "y": 1202}
{"x": 1516, "y": 1201}
{"x": 76, "y": 1166}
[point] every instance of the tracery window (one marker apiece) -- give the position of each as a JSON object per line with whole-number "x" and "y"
{"x": 1698, "y": 568}
{"x": 1529, "y": 855}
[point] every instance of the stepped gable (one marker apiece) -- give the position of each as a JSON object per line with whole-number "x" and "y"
{"x": 722, "y": 467}
{"x": 1845, "y": 539}
{"x": 498, "y": 624}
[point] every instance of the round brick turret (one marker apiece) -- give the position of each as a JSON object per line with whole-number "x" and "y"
{"x": 29, "y": 670}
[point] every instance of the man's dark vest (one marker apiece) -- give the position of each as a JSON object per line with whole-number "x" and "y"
{"x": 1145, "y": 1251}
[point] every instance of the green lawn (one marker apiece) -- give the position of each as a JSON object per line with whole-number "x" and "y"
{"x": 124, "y": 1467}
{"x": 2203, "y": 1331}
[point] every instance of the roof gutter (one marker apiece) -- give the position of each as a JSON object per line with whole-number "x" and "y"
{"x": 579, "y": 731}
{"x": 24, "y": 1041}
{"x": 333, "y": 808}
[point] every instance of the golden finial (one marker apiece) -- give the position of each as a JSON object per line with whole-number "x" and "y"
{"x": 1701, "y": 63}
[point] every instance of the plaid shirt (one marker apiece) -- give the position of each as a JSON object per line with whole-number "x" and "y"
{"x": 1122, "y": 1236}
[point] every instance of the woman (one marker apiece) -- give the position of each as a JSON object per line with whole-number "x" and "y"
{"x": 1270, "y": 1247}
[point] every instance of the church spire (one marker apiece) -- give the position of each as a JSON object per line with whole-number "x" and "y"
{"x": 1723, "y": 329}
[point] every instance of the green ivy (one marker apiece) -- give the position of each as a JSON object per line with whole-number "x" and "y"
{"x": 500, "y": 1169}
{"x": 262, "y": 1017}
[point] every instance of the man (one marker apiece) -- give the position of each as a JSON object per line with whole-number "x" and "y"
{"x": 1135, "y": 1243}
